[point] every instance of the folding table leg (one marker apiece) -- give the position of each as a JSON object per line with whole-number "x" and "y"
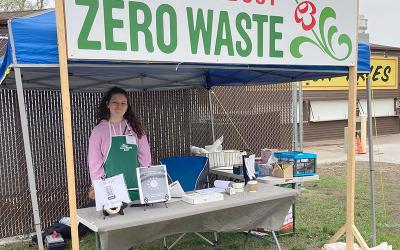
{"x": 204, "y": 238}
{"x": 98, "y": 243}
{"x": 176, "y": 241}
{"x": 276, "y": 240}
{"x": 215, "y": 238}
{"x": 165, "y": 243}
{"x": 246, "y": 239}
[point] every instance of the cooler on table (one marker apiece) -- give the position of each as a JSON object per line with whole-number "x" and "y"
{"x": 304, "y": 164}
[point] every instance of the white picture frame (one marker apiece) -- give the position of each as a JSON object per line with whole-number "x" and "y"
{"x": 153, "y": 184}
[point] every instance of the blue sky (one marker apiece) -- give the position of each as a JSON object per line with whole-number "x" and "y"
{"x": 383, "y": 21}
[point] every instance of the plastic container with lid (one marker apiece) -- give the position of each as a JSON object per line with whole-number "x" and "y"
{"x": 304, "y": 164}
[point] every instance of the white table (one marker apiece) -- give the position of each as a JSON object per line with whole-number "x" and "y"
{"x": 228, "y": 172}
{"x": 244, "y": 211}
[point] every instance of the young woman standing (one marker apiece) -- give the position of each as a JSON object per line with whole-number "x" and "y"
{"x": 118, "y": 143}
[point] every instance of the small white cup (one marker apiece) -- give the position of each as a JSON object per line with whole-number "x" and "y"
{"x": 252, "y": 186}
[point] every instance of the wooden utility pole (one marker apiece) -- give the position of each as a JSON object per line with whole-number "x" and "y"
{"x": 69, "y": 150}
{"x": 349, "y": 228}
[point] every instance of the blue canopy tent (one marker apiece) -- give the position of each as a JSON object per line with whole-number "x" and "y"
{"x": 31, "y": 62}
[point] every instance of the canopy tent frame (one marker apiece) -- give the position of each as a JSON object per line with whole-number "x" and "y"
{"x": 262, "y": 72}
{"x": 349, "y": 228}
{"x": 63, "y": 66}
{"x": 27, "y": 147}
{"x": 371, "y": 161}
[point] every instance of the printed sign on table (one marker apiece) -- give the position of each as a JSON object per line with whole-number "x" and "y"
{"x": 111, "y": 192}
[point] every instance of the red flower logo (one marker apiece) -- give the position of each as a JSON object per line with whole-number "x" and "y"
{"x": 304, "y": 14}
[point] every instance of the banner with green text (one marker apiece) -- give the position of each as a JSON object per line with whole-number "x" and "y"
{"x": 288, "y": 32}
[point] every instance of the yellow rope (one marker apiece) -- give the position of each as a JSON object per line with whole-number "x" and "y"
{"x": 5, "y": 75}
{"x": 379, "y": 153}
{"x": 229, "y": 118}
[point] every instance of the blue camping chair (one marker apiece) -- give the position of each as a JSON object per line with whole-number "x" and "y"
{"x": 192, "y": 174}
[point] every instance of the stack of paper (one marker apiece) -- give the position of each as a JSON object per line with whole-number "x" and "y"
{"x": 250, "y": 162}
{"x": 219, "y": 187}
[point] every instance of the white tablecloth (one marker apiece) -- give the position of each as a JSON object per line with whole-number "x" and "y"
{"x": 265, "y": 208}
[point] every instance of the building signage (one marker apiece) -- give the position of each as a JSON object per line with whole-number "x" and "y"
{"x": 384, "y": 75}
{"x": 290, "y": 32}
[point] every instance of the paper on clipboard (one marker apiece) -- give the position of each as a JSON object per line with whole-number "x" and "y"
{"x": 110, "y": 192}
{"x": 250, "y": 162}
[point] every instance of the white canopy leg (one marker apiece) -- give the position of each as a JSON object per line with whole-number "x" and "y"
{"x": 28, "y": 156}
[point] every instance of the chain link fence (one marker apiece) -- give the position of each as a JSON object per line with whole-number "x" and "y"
{"x": 254, "y": 117}
{"x": 248, "y": 117}
{"x": 3, "y": 43}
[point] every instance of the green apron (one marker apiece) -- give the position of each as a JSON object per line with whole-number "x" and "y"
{"x": 122, "y": 159}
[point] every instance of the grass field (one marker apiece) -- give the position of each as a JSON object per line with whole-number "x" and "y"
{"x": 320, "y": 212}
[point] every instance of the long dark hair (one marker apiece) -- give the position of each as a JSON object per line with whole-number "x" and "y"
{"x": 130, "y": 116}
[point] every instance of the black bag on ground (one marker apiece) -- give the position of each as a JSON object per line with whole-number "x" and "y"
{"x": 62, "y": 229}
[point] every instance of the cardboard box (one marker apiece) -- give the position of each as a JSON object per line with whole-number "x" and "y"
{"x": 283, "y": 171}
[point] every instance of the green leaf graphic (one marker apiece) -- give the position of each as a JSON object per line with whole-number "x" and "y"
{"x": 345, "y": 39}
{"x": 332, "y": 30}
{"x": 324, "y": 41}
{"x": 325, "y": 14}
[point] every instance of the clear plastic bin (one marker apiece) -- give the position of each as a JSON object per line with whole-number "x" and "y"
{"x": 225, "y": 158}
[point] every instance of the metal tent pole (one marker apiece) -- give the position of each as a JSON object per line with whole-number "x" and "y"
{"x": 211, "y": 114}
{"x": 28, "y": 156}
{"x": 301, "y": 129}
{"x": 371, "y": 162}
{"x": 27, "y": 144}
{"x": 294, "y": 116}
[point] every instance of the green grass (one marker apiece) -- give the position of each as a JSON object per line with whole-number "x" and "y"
{"x": 320, "y": 212}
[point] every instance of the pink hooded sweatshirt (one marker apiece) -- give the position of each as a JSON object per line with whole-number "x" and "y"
{"x": 99, "y": 144}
